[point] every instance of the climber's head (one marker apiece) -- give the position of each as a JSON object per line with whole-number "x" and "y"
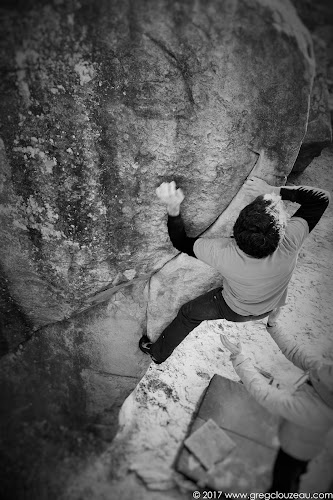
{"x": 322, "y": 382}
{"x": 260, "y": 226}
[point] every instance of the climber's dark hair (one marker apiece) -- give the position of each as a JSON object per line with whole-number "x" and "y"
{"x": 255, "y": 230}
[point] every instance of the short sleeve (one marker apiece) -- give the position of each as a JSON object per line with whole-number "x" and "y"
{"x": 210, "y": 250}
{"x": 296, "y": 232}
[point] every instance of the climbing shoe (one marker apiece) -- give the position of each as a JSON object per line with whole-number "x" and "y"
{"x": 144, "y": 345}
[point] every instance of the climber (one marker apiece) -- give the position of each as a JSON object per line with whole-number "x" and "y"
{"x": 256, "y": 264}
{"x": 306, "y": 410}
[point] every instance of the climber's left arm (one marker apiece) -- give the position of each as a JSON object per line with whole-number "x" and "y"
{"x": 172, "y": 198}
{"x": 206, "y": 249}
{"x": 178, "y": 236}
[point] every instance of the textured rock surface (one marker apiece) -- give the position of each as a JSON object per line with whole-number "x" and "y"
{"x": 104, "y": 100}
{"x": 319, "y": 127}
{"x": 318, "y": 18}
{"x": 101, "y": 102}
{"x": 62, "y": 391}
{"x": 319, "y": 130}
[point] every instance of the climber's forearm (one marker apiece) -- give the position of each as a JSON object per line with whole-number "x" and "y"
{"x": 313, "y": 201}
{"x": 178, "y": 236}
{"x": 173, "y": 210}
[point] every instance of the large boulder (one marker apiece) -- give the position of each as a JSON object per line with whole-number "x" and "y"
{"x": 104, "y": 100}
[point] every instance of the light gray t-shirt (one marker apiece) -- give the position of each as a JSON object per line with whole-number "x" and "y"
{"x": 254, "y": 286}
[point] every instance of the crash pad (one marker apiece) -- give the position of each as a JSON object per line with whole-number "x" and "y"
{"x": 209, "y": 444}
{"x": 247, "y": 467}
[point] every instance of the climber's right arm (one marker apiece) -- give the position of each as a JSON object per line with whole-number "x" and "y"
{"x": 313, "y": 201}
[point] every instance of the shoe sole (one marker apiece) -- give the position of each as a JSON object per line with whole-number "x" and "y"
{"x": 146, "y": 350}
{"x": 143, "y": 345}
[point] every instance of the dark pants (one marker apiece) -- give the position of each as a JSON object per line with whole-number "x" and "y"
{"x": 209, "y": 306}
{"x": 287, "y": 473}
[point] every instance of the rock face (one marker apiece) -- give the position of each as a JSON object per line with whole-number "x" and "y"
{"x": 319, "y": 130}
{"x": 62, "y": 392}
{"x": 102, "y": 101}
{"x": 318, "y": 18}
{"x": 319, "y": 124}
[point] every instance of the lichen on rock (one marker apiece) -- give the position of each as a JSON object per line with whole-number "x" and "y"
{"x": 106, "y": 102}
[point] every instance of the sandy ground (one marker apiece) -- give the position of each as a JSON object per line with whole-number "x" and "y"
{"x": 155, "y": 417}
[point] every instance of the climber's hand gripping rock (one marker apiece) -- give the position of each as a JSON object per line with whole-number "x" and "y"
{"x": 170, "y": 196}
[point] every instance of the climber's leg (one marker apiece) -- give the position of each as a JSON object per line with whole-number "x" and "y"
{"x": 209, "y": 306}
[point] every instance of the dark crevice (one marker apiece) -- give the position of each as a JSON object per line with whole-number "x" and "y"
{"x": 307, "y": 153}
{"x": 181, "y": 65}
{"x": 164, "y": 49}
{"x": 110, "y": 374}
{"x": 15, "y": 327}
{"x": 248, "y": 175}
{"x": 200, "y": 28}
